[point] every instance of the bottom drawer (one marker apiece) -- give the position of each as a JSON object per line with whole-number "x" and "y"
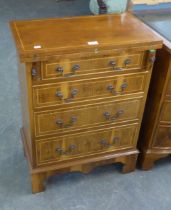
{"x": 163, "y": 137}
{"x": 166, "y": 112}
{"x": 83, "y": 144}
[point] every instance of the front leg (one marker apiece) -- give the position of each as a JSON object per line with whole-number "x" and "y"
{"x": 146, "y": 160}
{"x": 38, "y": 182}
{"x": 130, "y": 163}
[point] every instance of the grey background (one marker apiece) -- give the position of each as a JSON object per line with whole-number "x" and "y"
{"x": 105, "y": 188}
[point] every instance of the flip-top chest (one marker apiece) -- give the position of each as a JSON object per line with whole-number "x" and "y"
{"x": 84, "y": 83}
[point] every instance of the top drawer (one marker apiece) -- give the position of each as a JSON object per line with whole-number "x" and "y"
{"x": 69, "y": 67}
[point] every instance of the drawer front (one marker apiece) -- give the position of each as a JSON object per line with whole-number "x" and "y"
{"x": 71, "y": 92}
{"x": 70, "y": 67}
{"x": 83, "y": 144}
{"x": 168, "y": 91}
{"x": 163, "y": 137}
{"x": 56, "y": 122}
{"x": 166, "y": 112}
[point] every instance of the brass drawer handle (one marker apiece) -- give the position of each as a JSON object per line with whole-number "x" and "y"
{"x": 69, "y": 151}
{"x": 128, "y": 61}
{"x": 73, "y": 94}
{"x": 59, "y": 150}
{"x": 113, "y": 64}
{"x": 111, "y": 88}
{"x": 75, "y": 68}
{"x": 123, "y": 87}
{"x": 105, "y": 143}
{"x": 61, "y": 123}
{"x": 59, "y": 94}
{"x": 107, "y": 115}
{"x": 118, "y": 69}
{"x": 60, "y": 69}
{"x": 117, "y": 115}
{"x": 34, "y": 72}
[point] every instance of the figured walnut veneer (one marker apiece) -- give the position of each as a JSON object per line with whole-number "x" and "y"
{"x": 84, "y": 82}
{"x": 155, "y": 135}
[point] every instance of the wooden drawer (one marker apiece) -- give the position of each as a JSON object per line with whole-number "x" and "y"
{"x": 72, "y": 92}
{"x": 67, "y": 67}
{"x": 168, "y": 91}
{"x": 165, "y": 115}
{"x": 163, "y": 137}
{"x": 167, "y": 61}
{"x": 88, "y": 143}
{"x": 58, "y": 121}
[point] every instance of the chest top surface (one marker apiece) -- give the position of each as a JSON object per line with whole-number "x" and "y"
{"x": 77, "y": 34}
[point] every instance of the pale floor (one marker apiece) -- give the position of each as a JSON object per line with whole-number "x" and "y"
{"x": 103, "y": 189}
{"x": 161, "y": 23}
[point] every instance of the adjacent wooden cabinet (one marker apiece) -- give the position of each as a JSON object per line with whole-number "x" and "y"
{"x": 84, "y": 82}
{"x": 155, "y": 138}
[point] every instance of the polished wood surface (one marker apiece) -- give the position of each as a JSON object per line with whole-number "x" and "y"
{"x": 113, "y": 62}
{"x": 155, "y": 133}
{"x": 82, "y": 102}
{"x": 83, "y": 144}
{"x": 68, "y": 67}
{"x": 73, "y": 92}
{"x": 59, "y": 121}
{"x": 41, "y": 38}
{"x": 166, "y": 112}
{"x": 163, "y": 137}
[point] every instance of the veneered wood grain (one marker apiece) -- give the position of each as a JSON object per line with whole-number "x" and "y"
{"x": 154, "y": 140}
{"x": 165, "y": 115}
{"x": 120, "y": 36}
{"x": 46, "y": 123}
{"x": 156, "y": 95}
{"x": 26, "y": 104}
{"x": 162, "y": 139}
{"x": 73, "y": 35}
{"x": 94, "y": 89}
{"x": 91, "y": 65}
{"x": 108, "y": 140}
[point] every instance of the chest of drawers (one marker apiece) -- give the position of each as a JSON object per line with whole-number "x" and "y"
{"x": 155, "y": 138}
{"x": 84, "y": 82}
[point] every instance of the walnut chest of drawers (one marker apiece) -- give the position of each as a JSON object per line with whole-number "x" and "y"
{"x": 84, "y": 82}
{"x": 155, "y": 138}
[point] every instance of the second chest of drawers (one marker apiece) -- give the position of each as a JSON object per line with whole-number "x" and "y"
{"x": 155, "y": 138}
